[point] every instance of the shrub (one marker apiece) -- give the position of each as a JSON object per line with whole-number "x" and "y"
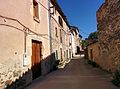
{"x": 116, "y": 78}
{"x": 94, "y": 64}
{"x": 89, "y": 62}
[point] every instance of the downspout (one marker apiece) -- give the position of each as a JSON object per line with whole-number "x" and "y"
{"x": 25, "y": 38}
{"x": 50, "y": 36}
{"x": 25, "y": 60}
{"x": 49, "y": 17}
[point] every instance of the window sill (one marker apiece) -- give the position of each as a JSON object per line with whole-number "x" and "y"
{"x": 36, "y": 19}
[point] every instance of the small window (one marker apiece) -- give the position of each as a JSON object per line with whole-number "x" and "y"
{"x": 56, "y": 32}
{"x": 55, "y": 10}
{"x": 60, "y": 21}
{"x": 35, "y": 9}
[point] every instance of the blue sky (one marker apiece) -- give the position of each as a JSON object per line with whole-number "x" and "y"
{"x": 81, "y": 13}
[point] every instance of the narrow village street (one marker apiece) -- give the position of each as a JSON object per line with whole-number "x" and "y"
{"x": 60, "y": 44}
{"x": 76, "y": 75}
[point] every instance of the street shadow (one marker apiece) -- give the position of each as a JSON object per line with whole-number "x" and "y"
{"x": 45, "y": 66}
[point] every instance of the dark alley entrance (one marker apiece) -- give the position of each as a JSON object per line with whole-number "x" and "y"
{"x": 76, "y": 75}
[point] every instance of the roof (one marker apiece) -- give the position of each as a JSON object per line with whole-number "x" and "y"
{"x": 54, "y": 2}
{"x": 92, "y": 42}
{"x": 75, "y": 29}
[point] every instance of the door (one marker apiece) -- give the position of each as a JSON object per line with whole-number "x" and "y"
{"x": 70, "y": 53}
{"x": 66, "y": 54}
{"x": 61, "y": 54}
{"x": 56, "y": 54}
{"x": 36, "y": 59}
{"x": 91, "y": 54}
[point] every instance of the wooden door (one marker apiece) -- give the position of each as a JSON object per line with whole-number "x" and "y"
{"x": 36, "y": 58}
{"x": 91, "y": 53}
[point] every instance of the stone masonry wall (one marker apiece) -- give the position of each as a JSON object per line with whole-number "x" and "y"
{"x": 108, "y": 18}
{"x": 93, "y": 50}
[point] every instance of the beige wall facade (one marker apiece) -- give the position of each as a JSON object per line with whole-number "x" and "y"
{"x": 76, "y": 45}
{"x": 29, "y": 38}
{"x": 18, "y": 28}
{"x": 60, "y": 35}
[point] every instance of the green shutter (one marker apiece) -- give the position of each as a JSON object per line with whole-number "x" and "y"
{"x": 56, "y": 54}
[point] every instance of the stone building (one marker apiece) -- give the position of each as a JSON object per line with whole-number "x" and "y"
{"x": 25, "y": 39}
{"x": 108, "y": 18}
{"x": 34, "y": 35}
{"x": 60, "y": 33}
{"x": 93, "y": 52}
{"x": 76, "y": 41}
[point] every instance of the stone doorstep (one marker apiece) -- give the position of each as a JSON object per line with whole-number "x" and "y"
{"x": 76, "y": 56}
{"x": 62, "y": 64}
{"x": 68, "y": 61}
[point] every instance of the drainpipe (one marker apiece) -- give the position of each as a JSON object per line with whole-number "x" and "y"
{"x": 50, "y": 36}
{"x": 49, "y": 17}
{"x": 25, "y": 60}
{"x": 25, "y": 36}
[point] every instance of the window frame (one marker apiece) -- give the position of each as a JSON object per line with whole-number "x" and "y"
{"x": 36, "y": 10}
{"x": 60, "y": 21}
{"x": 56, "y": 32}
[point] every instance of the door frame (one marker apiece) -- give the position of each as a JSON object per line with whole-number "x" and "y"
{"x": 36, "y": 58}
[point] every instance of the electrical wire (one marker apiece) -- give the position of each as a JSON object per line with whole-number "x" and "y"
{"x": 28, "y": 29}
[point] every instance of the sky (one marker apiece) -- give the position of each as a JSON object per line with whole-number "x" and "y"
{"x": 81, "y": 13}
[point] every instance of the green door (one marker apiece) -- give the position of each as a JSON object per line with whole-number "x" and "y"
{"x": 56, "y": 54}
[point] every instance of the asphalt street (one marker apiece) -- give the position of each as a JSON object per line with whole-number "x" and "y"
{"x": 76, "y": 75}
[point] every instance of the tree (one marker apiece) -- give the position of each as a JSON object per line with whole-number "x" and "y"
{"x": 84, "y": 43}
{"x": 93, "y": 36}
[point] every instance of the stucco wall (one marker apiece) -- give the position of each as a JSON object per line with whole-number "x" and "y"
{"x": 12, "y": 36}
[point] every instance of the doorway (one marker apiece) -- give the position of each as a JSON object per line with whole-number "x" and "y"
{"x": 36, "y": 58}
{"x": 61, "y": 59}
{"x": 91, "y": 54}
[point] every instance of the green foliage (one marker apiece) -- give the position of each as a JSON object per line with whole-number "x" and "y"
{"x": 116, "y": 77}
{"x": 94, "y": 64}
{"x": 93, "y": 36}
{"x": 84, "y": 43}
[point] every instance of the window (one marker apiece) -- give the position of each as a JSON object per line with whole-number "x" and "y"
{"x": 60, "y": 21}
{"x": 60, "y": 36}
{"x": 35, "y": 9}
{"x": 56, "y": 32}
{"x": 52, "y": 10}
{"x": 55, "y": 10}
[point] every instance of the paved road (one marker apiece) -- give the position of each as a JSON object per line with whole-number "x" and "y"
{"x": 76, "y": 75}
